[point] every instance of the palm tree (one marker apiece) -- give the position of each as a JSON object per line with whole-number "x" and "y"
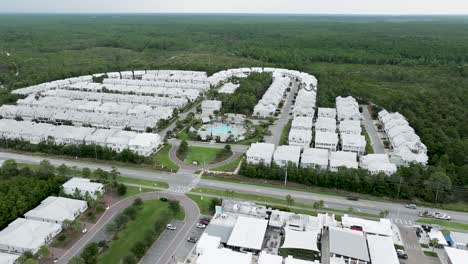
{"x": 289, "y": 200}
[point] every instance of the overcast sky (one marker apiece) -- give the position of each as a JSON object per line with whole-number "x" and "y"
{"x": 239, "y": 6}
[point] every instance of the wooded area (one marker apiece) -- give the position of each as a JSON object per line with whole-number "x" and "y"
{"x": 415, "y": 65}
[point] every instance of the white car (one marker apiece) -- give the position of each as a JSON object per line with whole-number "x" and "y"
{"x": 198, "y": 225}
{"x": 442, "y": 216}
{"x": 84, "y": 230}
{"x": 171, "y": 227}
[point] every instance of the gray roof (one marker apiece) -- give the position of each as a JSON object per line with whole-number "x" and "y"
{"x": 348, "y": 243}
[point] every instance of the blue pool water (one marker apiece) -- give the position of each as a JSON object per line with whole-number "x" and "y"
{"x": 223, "y": 129}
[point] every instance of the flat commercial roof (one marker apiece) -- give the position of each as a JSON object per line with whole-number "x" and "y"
{"x": 248, "y": 233}
{"x": 266, "y": 258}
{"x": 382, "y": 227}
{"x": 292, "y": 260}
{"x": 224, "y": 255}
{"x": 457, "y": 256}
{"x": 301, "y": 239}
{"x": 382, "y": 250}
{"x": 348, "y": 243}
{"x": 6, "y": 258}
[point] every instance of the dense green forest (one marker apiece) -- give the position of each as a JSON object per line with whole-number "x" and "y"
{"x": 244, "y": 99}
{"x": 23, "y": 188}
{"x": 415, "y": 65}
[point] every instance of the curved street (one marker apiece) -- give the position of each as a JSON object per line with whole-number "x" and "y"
{"x": 191, "y": 216}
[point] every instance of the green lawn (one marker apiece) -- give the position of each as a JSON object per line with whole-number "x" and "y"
{"x": 202, "y": 202}
{"x": 369, "y": 148}
{"x": 135, "y": 231}
{"x": 449, "y": 224}
{"x": 131, "y": 191}
{"x": 183, "y": 135}
{"x": 430, "y": 254}
{"x": 144, "y": 182}
{"x": 201, "y": 154}
{"x": 267, "y": 199}
{"x": 162, "y": 158}
{"x": 285, "y": 133}
{"x": 230, "y": 167}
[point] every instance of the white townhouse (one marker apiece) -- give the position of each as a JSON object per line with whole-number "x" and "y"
{"x": 57, "y": 210}
{"x": 302, "y": 122}
{"x": 377, "y": 163}
{"x": 83, "y": 186}
{"x": 325, "y": 124}
{"x": 326, "y": 112}
{"x": 285, "y": 154}
{"x": 260, "y": 153}
{"x": 350, "y": 127}
{"x": 343, "y": 159}
{"x": 353, "y": 143}
{"x": 209, "y": 107}
{"x": 326, "y": 140}
{"x": 144, "y": 143}
{"x": 315, "y": 158}
{"x": 300, "y": 137}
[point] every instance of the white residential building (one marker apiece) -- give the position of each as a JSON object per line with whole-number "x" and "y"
{"x": 83, "y": 186}
{"x": 120, "y": 140}
{"x": 315, "y": 158}
{"x": 383, "y": 227}
{"x": 460, "y": 240}
{"x": 209, "y": 107}
{"x": 305, "y": 103}
{"x": 382, "y": 250}
{"x": 456, "y": 256}
{"x": 6, "y": 258}
{"x": 326, "y": 112}
{"x": 325, "y": 124}
{"x": 352, "y": 127}
{"x": 326, "y": 140}
{"x": 353, "y": 143}
{"x": 144, "y": 143}
{"x": 228, "y": 88}
{"x": 57, "y": 209}
{"x": 285, "y": 154}
{"x": 377, "y": 163}
{"x": 348, "y": 244}
{"x": 343, "y": 159}
{"x": 24, "y": 235}
{"x": 300, "y": 137}
{"x": 347, "y": 108}
{"x": 272, "y": 97}
{"x": 260, "y": 153}
{"x": 302, "y": 122}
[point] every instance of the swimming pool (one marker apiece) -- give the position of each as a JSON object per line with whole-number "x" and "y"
{"x": 223, "y": 129}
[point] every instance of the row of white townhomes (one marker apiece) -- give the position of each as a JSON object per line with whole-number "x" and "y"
{"x": 271, "y": 99}
{"x": 246, "y": 233}
{"x": 41, "y": 224}
{"x": 406, "y": 144}
{"x": 117, "y": 140}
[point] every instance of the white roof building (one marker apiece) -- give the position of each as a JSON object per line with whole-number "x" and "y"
{"x": 383, "y": 227}
{"x": 84, "y": 186}
{"x": 343, "y": 159}
{"x": 227, "y": 256}
{"x": 306, "y": 240}
{"x": 302, "y": 122}
{"x": 265, "y": 258}
{"x": 120, "y": 140}
{"x": 99, "y": 137}
{"x": 305, "y": 103}
{"x": 207, "y": 242}
{"x": 350, "y": 127}
{"x": 377, "y": 163}
{"x": 260, "y": 153}
{"x": 326, "y": 140}
{"x": 292, "y": 260}
{"x": 144, "y": 143}
{"x": 285, "y": 154}
{"x": 24, "y": 235}
{"x": 326, "y": 112}
{"x": 6, "y": 258}
{"x": 248, "y": 233}
{"x": 382, "y": 250}
{"x": 353, "y": 143}
{"x": 456, "y": 256}
{"x": 57, "y": 209}
{"x": 210, "y": 106}
{"x": 315, "y": 158}
{"x": 325, "y": 124}
{"x": 228, "y": 88}
{"x": 460, "y": 240}
{"x": 300, "y": 137}
{"x": 437, "y": 234}
{"x": 347, "y": 108}
{"x": 348, "y": 244}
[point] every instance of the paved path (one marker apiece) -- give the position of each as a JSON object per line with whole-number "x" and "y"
{"x": 181, "y": 116}
{"x": 191, "y": 216}
{"x": 277, "y": 128}
{"x": 413, "y": 249}
{"x": 377, "y": 144}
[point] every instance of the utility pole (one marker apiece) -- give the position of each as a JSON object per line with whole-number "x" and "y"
{"x": 286, "y": 177}
{"x": 437, "y": 193}
{"x": 399, "y": 187}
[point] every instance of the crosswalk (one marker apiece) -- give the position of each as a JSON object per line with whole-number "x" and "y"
{"x": 179, "y": 189}
{"x": 402, "y": 221}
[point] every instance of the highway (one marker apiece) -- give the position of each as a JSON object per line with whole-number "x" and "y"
{"x": 187, "y": 179}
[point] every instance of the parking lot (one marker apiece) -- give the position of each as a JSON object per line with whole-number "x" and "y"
{"x": 413, "y": 248}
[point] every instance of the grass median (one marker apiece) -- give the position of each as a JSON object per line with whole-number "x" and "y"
{"x": 444, "y": 223}
{"x": 149, "y": 183}
{"x": 162, "y": 158}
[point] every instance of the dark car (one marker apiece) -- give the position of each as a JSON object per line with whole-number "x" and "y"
{"x": 203, "y": 222}
{"x": 353, "y": 198}
{"x": 205, "y": 219}
{"x": 163, "y": 199}
{"x": 192, "y": 240}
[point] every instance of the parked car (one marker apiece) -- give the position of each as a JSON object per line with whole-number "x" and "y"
{"x": 199, "y": 225}
{"x": 205, "y": 219}
{"x": 411, "y": 206}
{"x": 401, "y": 254}
{"x": 171, "y": 227}
{"x": 163, "y": 199}
{"x": 192, "y": 240}
{"x": 84, "y": 230}
{"x": 203, "y": 222}
{"x": 353, "y": 198}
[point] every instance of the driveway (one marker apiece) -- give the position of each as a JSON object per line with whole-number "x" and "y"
{"x": 413, "y": 249}
{"x": 191, "y": 216}
{"x": 376, "y": 142}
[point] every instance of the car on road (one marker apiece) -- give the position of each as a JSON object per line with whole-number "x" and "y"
{"x": 411, "y": 206}
{"x": 199, "y": 225}
{"x": 203, "y": 222}
{"x": 84, "y": 230}
{"x": 401, "y": 254}
{"x": 441, "y": 216}
{"x": 171, "y": 227}
{"x": 353, "y": 198}
{"x": 192, "y": 240}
